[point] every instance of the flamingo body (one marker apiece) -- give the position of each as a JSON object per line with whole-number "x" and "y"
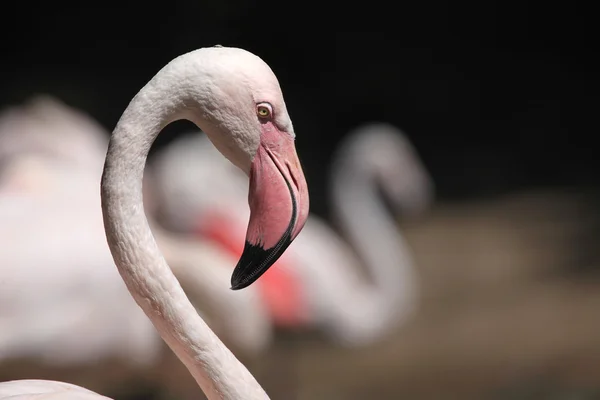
{"x": 61, "y": 306}
{"x": 34, "y": 389}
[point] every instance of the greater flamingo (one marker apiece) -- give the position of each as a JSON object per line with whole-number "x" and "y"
{"x": 319, "y": 281}
{"x": 42, "y": 186}
{"x": 46, "y": 126}
{"x": 235, "y": 97}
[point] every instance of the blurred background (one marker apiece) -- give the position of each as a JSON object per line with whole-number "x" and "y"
{"x": 494, "y": 109}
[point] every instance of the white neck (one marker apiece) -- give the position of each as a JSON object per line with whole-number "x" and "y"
{"x": 377, "y": 240}
{"x": 138, "y": 258}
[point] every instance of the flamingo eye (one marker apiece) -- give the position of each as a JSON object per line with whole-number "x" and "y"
{"x": 264, "y": 110}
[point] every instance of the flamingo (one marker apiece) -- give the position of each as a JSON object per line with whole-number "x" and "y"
{"x": 234, "y": 96}
{"x": 42, "y": 187}
{"x": 44, "y": 125}
{"x": 319, "y": 281}
{"x": 62, "y": 309}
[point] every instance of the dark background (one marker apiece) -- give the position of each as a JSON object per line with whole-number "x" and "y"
{"x": 496, "y": 98}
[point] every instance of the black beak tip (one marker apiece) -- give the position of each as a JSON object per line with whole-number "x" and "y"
{"x": 254, "y": 262}
{"x": 239, "y": 285}
{"x": 240, "y": 280}
{"x": 243, "y": 281}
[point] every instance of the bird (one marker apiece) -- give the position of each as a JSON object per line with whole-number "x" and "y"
{"x": 52, "y": 283}
{"x": 318, "y": 282}
{"x": 40, "y": 190}
{"x": 45, "y": 125}
{"x": 235, "y": 97}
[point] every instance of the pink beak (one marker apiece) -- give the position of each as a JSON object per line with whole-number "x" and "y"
{"x": 279, "y": 204}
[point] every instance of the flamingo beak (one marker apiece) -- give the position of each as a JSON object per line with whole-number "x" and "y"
{"x": 279, "y": 204}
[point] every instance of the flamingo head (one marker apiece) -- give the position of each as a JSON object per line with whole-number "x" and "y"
{"x": 386, "y": 153}
{"x": 243, "y": 113}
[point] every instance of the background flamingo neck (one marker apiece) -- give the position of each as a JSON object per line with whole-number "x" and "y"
{"x": 373, "y": 232}
{"x": 139, "y": 260}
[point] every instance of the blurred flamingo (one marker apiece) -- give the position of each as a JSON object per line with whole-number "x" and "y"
{"x": 319, "y": 281}
{"x": 46, "y": 126}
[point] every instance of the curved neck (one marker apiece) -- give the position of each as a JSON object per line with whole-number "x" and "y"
{"x": 376, "y": 238}
{"x": 139, "y": 260}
